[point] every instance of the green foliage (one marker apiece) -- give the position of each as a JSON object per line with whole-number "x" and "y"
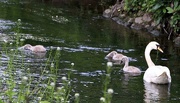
{"x": 165, "y": 12}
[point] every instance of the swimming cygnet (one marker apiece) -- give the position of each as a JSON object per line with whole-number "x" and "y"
{"x": 37, "y": 50}
{"x": 115, "y": 57}
{"x": 129, "y": 69}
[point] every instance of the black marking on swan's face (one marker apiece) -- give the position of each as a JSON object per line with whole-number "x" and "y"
{"x": 158, "y": 46}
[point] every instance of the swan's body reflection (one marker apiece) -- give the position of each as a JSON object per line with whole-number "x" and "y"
{"x": 155, "y": 93}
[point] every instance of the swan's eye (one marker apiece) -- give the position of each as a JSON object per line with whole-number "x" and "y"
{"x": 157, "y": 45}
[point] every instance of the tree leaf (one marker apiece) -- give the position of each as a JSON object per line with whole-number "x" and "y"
{"x": 170, "y": 10}
{"x": 164, "y": 10}
{"x": 157, "y": 6}
{"x": 178, "y": 8}
{"x": 175, "y": 4}
{"x": 143, "y": 5}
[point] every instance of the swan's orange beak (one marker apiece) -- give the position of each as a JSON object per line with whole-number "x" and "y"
{"x": 160, "y": 49}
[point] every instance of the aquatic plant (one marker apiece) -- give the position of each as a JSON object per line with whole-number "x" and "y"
{"x": 107, "y": 93}
{"x": 76, "y": 97}
{"x": 19, "y": 85}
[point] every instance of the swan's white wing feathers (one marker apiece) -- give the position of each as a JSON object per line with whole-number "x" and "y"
{"x": 155, "y": 74}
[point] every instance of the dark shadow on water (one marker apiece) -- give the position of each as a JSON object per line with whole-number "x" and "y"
{"x": 127, "y": 77}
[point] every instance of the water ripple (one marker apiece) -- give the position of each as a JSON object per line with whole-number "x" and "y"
{"x": 91, "y": 74}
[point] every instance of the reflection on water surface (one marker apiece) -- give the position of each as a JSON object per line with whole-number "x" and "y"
{"x": 156, "y": 93}
{"x": 85, "y": 40}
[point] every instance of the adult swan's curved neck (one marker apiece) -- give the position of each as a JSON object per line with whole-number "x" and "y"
{"x": 147, "y": 55}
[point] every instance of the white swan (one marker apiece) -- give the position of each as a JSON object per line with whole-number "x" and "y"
{"x": 129, "y": 69}
{"x": 155, "y": 73}
{"x": 115, "y": 57}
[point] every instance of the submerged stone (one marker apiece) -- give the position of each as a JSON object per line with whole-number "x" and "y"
{"x": 155, "y": 33}
{"x": 136, "y": 26}
{"x": 107, "y": 13}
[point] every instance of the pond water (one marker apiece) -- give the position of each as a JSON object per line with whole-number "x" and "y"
{"x": 85, "y": 38}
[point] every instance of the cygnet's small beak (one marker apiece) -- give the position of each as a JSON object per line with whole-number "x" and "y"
{"x": 20, "y": 48}
{"x": 160, "y": 49}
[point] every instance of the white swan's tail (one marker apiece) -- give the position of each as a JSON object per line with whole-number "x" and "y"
{"x": 162, "y": 79}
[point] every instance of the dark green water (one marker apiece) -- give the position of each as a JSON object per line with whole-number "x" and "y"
{"x": 86, "y": 38}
